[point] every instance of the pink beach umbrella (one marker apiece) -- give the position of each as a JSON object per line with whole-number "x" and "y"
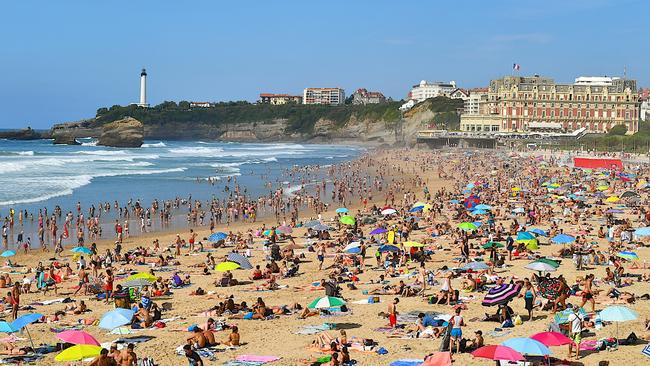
{"x": 77, "y": 337}
{"x": 496, "y": 352}
{"x": 551, "y": 339}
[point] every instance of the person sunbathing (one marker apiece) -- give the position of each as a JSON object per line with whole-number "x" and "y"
{"x": 76, "y": 310}
{"x": 10, "y": 349}
{"x": 197, "y": 339}
{"x": 144, "y": 316}
{"x": 233, "y": 338}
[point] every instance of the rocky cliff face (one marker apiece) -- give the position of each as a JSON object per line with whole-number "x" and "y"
{"x": 127, "y": 132}
{"x": 24, "y": 134}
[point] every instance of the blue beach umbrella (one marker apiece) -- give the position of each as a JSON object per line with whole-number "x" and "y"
{"x": 388, "y": 248}
{"x": 478, "y": 212}
{"x": 116, "y": 318}
{"x": 342, "y": 210}
{"x": 81, "y": 250}
{"x": 454, "y": 201}
{"x": 7, "y": 328}
{"x": 217, "y": 236}
{"x": 416, "y": 209}
{"x": 563, "y": 239}
{"x": 525, "y": 235}
{"x": 539, "y": 232}
{"x": 482, "y": 206}
{"x": 321, "y": 227}
{"x": 644, "y": 231}
{"x": 477, "y": 223}
{"x": 8, "y": 253}
{"x": 24, "y": 320}
{"x": 527, "y": 346}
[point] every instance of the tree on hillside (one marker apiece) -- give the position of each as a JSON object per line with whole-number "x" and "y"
{"x": 184, "y": 105}
{"x": 618, "y": 130}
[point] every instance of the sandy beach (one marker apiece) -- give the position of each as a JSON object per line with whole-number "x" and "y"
{"x": 414, "y": 170}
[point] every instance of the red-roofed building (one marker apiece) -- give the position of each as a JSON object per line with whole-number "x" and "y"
{"x": 363, "y": 96}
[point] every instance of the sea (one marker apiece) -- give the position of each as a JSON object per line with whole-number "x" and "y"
{"x": 38, "y": 174}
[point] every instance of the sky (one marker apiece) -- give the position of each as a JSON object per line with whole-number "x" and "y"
{"x": 62, "y": 60}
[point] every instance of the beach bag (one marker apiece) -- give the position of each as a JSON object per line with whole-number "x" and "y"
{"x": 507, "y": 324}
{"x": 518, "y": 320}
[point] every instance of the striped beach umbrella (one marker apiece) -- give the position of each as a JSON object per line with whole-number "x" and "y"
{"x": 243, "y": 262}
{"x": 326, "y": 302}
{"x": 631, "y": 256}
{"x": 501, "y": 294}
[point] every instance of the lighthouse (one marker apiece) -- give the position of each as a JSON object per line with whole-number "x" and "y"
{"x": 143, "y": 89}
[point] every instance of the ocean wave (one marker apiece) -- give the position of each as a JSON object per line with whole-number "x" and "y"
{"x": 269, "y": 160}
{"x": 89, "y": 143}
{"x": 198, "y": 151}
{"x": 140, "y": 163}
{"x": 18, "y": 153}
{"x": 65, "y": 186}
{"x": 101, "y": 152}
{"x": 157, "y": 144}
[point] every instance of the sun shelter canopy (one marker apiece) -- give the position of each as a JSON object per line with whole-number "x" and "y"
{"x": 590, "y": 163}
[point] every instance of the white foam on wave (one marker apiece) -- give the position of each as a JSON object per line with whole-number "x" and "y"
{"x": 90, "y": 143}
{"x": 269, "y": 160}
{"x": 157, "y": 144}
{"x": 140, "y": 163}
{"x": 102, "y": 152}
{"x": 198, "y": 151}
{"x": 69, "y": 184}
{"x": 25, "y": 153}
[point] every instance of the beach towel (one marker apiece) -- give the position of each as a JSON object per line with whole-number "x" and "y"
{"x": 256, "y": 358}
{"x": 21, "y": 360}
{"x": 69, "y": 327}
{"x": 406, "y": 362}
{"x": 243, "y": 363}
{"x": 314, "y": 329}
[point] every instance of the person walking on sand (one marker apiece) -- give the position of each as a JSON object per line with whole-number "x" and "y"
{"x": 392, "y": 312}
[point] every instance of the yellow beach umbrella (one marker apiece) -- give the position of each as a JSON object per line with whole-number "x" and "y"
{"x": 409, "y": 244}
{"x": 602, "y": 188}
{"x": 78, "y": 352}
{"x": 143, "y": 275}
{"x": 226, "y": 266}
{"x": 516, "y": 189}
{"x": 612, "y": 199}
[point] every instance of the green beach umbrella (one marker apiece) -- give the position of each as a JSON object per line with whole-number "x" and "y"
{"x": 326, "y": 302}
{"x": 549, "y": 261}
{"x": 467, "y": 226}
{"x": 347, "y": 220}
{"x": 489, "y": 245}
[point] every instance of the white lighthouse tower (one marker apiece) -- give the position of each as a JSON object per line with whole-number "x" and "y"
{"x": 143, "y": 89}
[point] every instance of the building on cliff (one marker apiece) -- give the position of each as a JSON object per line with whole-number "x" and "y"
{"x": 327, "y": 96}
{"x": 425, "y": 90}
{"x": 279, "y": 99}
{"x": 363, "y": 96}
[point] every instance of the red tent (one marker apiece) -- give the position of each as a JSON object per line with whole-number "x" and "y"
{"x": 597, "y": 163}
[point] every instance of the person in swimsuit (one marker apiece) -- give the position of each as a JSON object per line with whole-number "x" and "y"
{"x": 456, "y": 322}
{"x": 529, "y": 298}
{"x": 108, "y": 285}
{"x": 587, "y": 292}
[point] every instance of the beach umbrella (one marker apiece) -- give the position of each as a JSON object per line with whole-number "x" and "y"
{"x": 413, "y": 244}
{"x": 218, "y": 236}
{"x": 524, "y": 235}
{"x": 418, "y": 204}
{"x": 312, "y": 223}
{"x": 321, "y": 227}
{"x": 498, "y": 352}
{"x": 143, "y": 275}
{"x": 618, "y": 314}
{"x": 482, "y": 206}
{"x": 478, "y": 212}
{"x": 551, "y": 339}
{"x": 388, "y": 248}
{"x": 519, "y": 210}
{"x": 8, "y": 253}
{"x": 538, "y": 232}
{"x": 368, "y": 220}
{"x": 78, "y": 352}
{"x": 347, "y": 220}
{"x": 379, "y": 230}
{"x": 541, "y": 267}
{"x": 631, "y": 256}
{"x": 612, "y": 199}
{"x": 471, "y": 201}
{"x": 454, "y": 201}
{"x": 614, "y": 211}
{"x": 116, "y": 318}
{"x": 501, "y": 294}
{"x": 491, "y": 244}
{"x": 628, "y": 194}
{"x": 25, "y": 319}
{"x": 416, "y": 209}
{"x": 353, "y": 248}
{"x": 467, "y": 226}
{"x": 326, "y": 302}
{"x": 226, "y": 266}
{"x": 137, "y": 282}
{"x": 644, "y": 231}
{"x": 602, "y": 188}
{"x": 438, "y": 359}
{"x": 563, "y": 239}
{"x": 388, "y": 211}
{"x": 77, "y": 337}
{"x": 516, "y": 189}
{"x": 342, "y": 210}
{"x": 81, "y": 250}
{"x": 284, "y": 229}
{"x": 268, "y": 232}
{"x": 527, "y": 346}
{"x": 475, "y": 266}
{"x": 243, "y": 262}
{"x": 549, "y": 261}
{"x": 6, "y": 327}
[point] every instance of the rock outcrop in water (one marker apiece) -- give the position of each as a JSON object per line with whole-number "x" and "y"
{"x": 127, "y": 132}
{"x": 24, "y": 134}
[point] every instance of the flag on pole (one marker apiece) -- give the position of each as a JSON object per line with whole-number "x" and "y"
{"x": 516, "y": 67}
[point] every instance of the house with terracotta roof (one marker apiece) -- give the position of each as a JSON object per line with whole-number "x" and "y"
{"x": 363, "y": 96}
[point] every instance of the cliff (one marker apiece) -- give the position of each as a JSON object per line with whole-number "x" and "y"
{"x": 240, "y": 121}
{"x": 24, "y": 134}
{"x": 126, "y": 132}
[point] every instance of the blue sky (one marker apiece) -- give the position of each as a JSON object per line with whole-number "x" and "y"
{"x": 61, "y": 60}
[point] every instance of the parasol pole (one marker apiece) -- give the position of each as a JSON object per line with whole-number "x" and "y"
{"x": 32, "y": 342}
